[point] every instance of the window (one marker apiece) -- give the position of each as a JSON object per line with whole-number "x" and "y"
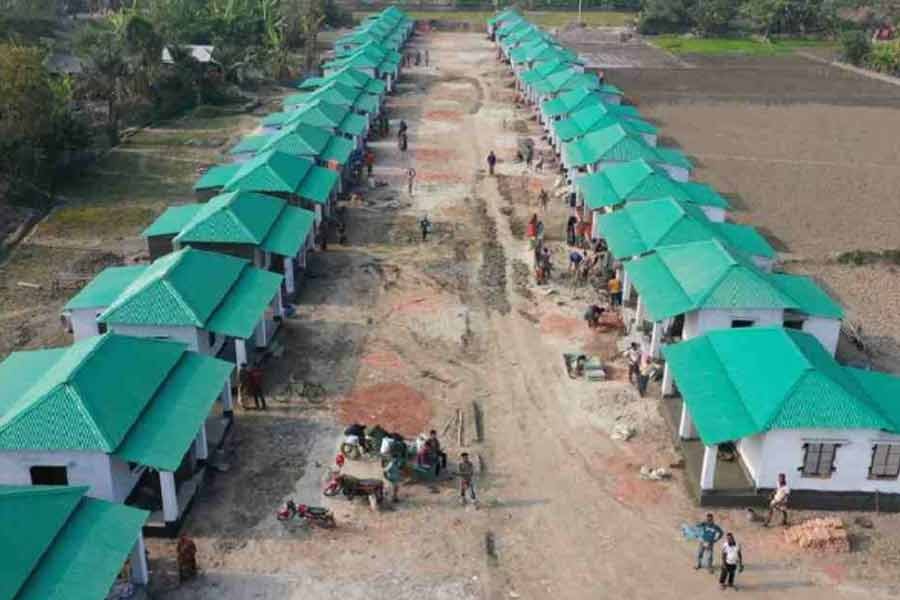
{"x": 818, "y": 460}
{"x": 885, "y": 461}
{"x": 101, "y": 328}
{"x": 793, "y": 324}
{"x": 738, "y": 323}
{"x": 49, "y": 476}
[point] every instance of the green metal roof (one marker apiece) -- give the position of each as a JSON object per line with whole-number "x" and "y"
{"x": 599, "y": 115}
{"x": 217, "y": 176}
{"x": 330, "y": 116}
{"x": 504, "y": 15}
{"x": 741, "y": 382}
{"x": 678, "y": 279}
{"x": 338, "y": 150}
{"x": 271, "y": 171}
{"x": 246, "y": 303}
{"x": 290, "y": 231}
{"x": 642, "y": 226}
{"x": 105, "y": 287}
{"x": 250, "y": 144}
{"x": 299, "y": 139}
{"x": 170, "y": 423}
{"x": 543, "y": 70}
{"x": 335, "y": 93}
{"x": 318, "y": 184}
{"x": 808, "y": 295}
{"x": 639, "y": 180}
{"x": 58, "y": 544}
{"x": 583, "y": 98}
{"x": 94, "y": 394}
{"x": 349, "y": 77}
{"x": 616, "y": 144}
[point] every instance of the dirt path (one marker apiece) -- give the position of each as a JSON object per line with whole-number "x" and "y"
{"x": 406, "y": 333}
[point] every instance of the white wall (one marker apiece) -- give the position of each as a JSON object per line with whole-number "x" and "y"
{"x": 751, "y": 450}
{"x": 84, "y": 322}
{"x": 714, "y": 213}
{"x": 783, "y": 453}
{"x": 827, "y": 331}
{"x": 123, "y": 478}
{"x": 677, "y": 173}
{"x": 709, "y": 319}
{"x": 92, "y": 469}
{"x": 189, "y": 335}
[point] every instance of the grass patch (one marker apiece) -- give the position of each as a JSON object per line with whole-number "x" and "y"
{"x": 92, "y": 220}
{"x": 867, "y": 257}
{"x": 740, "y": 46}
{"x": 555, "y": 18}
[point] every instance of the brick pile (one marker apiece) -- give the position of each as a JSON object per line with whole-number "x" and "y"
{"x": 824, "y": 535}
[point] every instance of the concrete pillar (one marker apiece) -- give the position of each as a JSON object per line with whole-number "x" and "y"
{"x": 240, "y": 351}
{"x": 708, "y": 473}
{"x": 201, "y": 447}
{"x": 227, "y": 399}
{"x": 258, "y": 260}
{"x": 686, "y": 429}
{"x": 289, "y": 275}
{"x": 169, "y": 496}
{"x": 278, "y": 305}
{"x": 626, "y": 287}
{"x": 655, "y": 339}
{"x": 259, "y": 334}
{"x": 140, "y": 574}
{"x": 667, "y": 387}
{"x": 639, "y": 311}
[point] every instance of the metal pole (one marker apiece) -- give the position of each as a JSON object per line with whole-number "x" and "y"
{"x": 579, "y": 11}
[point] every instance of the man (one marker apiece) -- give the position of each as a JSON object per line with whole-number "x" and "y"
{"x": 392, "y": 476}
{"x": 425, "y": 226}
{"x": 570, "y": 230}
{"x": 633, "y": 356}
{"x": 592, "y": 316}
{"x": 427, "y": 58}
{"x": 646, "y": 372}
{"x": 256, "y": 378}
{"x": 370, "y": 161}
{"x": 614, "y": 286}
{"x": 779, "y": 501}
{"x": 435, "y": 454}
{"x": 710, "y": 534}
{"x": 732, "y": 561}
{"x": 466, "y": 472}
{"x": 402, "y": 142}
{"x": 543, "y": 199}
{"x": 575, "y": 259}
{"x": 186, "y": 558}
{"x": 491, "y": 161}
{"x": 410, "y": 180}
{"x": 401, "y": 129}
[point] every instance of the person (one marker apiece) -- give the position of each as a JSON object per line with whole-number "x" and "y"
{"x": 410, "y": 180}
{"x": 491, "y": 161}
{"x": 425, "y": 226}
{"x": 435, "y": 454}
{"x": 323, "y": 235}
{"x": 645, "y": 373}
{"x": 256, "y": 377}
{"x": 466, "y": 472}
{"x": 540, "y": 230}
{"x": 592, "y": 316}
{"x": 732, "y": 561}
{"x": 575, "y": 259}
{"x": 427, "y": 58}
{"x": 543, "y": 199}
{"x": 186, "y": 557}
{"x": 779, "y": 501}
{"x": 245, "y": 385}
{"x": 342, "y": 233}
{"x": 539, "y": 165}
{"x": 709, "y": 534}
{"x": 531, "y": 230}
{"x": 402, "y": 142}
{"x": 392, "y": 477}
{"x": 633, "y": 356}
{"x": 401, "y": 129}
{"x": 529, "y": 157}
{"x": 370, "y": 161}
{"x": 546, "y": 264}
{"x": 570, "y": 230}
{"x": 614, "y": 286}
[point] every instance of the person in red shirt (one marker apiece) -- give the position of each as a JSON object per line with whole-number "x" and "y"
{"x": 256, "y": 388}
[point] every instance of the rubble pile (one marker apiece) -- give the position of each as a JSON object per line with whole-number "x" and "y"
{"x": 827, "y": 535}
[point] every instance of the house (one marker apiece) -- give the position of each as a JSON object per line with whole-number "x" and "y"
{"x": 339, "y": 120}
{"x": 615, "y": 145}
{"x": 786, "y": 406}
{"x": 612, "y": 187}
{"x": 339, "y": 94}
{"x": 574, "y": 101}
{"x": 295, "y": 179}
{"x": 373, "y": 60}
{"x": 539, "y": 50}
{"x": 328, "y": 150}
{"x": 565, "y": 81}
{"x": 58, "y": 544}
{"x": 349, "y": 77}
{"x": 265, "y": 230}
{"x": 595, "y": 116}
{"x": 643, "y": 226}
{"x": 541, "y": 70}
{"x": 499, "y": 19}
{"x": 693, "y": 288}
{"x": 123, "y": 416}
{"x": 212, "y": 302}
{"x": 513, "y": 33}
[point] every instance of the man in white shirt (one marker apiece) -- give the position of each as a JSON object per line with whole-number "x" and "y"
{"x": 732, "y": 561}
{"x": 779, "y": 500}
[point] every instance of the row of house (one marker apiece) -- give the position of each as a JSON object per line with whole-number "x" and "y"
{"x": 108, "y": 438}
{"x": 749, "y": 351}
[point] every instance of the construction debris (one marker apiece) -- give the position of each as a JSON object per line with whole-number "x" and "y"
{"x": 622, "y": 432}
{"x": 825, "y": 535}
{"x": 658, "y": 474}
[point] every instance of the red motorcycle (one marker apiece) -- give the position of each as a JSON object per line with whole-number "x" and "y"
{"x": 353, "y": 487}
{"x": 315, "y": 515}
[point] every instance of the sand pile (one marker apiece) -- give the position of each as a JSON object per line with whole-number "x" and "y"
{"x": 827, "y": 535}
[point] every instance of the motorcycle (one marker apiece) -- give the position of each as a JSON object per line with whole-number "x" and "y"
{"x": 315, "y": 515}
{"x": 353, "y": 487}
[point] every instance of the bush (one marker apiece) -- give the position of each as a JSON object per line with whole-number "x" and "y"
{"x": 885, "y": 57}
{"x": 855, "y": 47}
{"x": 664, "y": 16}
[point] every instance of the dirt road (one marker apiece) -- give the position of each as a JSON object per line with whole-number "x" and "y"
{"x": 407, "y": 332}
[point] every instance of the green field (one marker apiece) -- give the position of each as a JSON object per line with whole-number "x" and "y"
{"x": 743, "y": 46}
{"x": 544, "y": 18}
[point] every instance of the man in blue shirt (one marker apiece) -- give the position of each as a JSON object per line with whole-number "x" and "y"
{"x": 709, "y": 534}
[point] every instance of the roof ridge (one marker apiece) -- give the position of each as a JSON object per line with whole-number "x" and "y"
{"x": 736, "y": 389}
{"x": 179, "y": 299}
{"x": 82, "y": 408}
{"x": 170, "y": 261}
